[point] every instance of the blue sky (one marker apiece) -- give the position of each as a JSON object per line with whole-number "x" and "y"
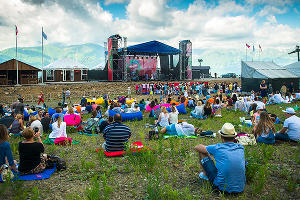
{"x": 217, "y": 29}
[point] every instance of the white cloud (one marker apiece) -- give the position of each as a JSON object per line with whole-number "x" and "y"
{"x": 107, "y": 2}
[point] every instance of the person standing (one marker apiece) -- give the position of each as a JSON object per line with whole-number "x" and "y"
{"x": 291, "y": 87}
{"x": 68, "y": 96}
{"x": 63, "y": 94}
{"x": 263, "y": 89}
{"x": 283, "y": 90}
{"x": 270, "y": 89}
{"x": 228, "y": 174}
{"x": 41, "y": 99}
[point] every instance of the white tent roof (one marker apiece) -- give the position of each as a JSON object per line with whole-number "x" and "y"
{"x": 294, "y": 68}
{"x": 260, "y": 70}
{"x": 100, "y": 66}
{"x": 66, "y": 64}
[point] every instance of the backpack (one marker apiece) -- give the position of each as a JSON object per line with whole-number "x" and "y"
{"x": 55, "y": 160}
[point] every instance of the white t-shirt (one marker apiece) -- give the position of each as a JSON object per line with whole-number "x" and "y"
{"x": 173, "y": 117}
{"x": 37, "y": 123}
{"x": 58, "y": 132}
{"x": 164, "y": 119}
{"x": 297, "y": 96}
{"x": 199, "y": 110}
{"x": 293, "y": 125}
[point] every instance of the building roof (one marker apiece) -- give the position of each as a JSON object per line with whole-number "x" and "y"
{"x": 294, "y": 68}
{"x": 152, "y": 47}
{"x": 260, "y": 69}
{"x": 12, "y": 65}
{"x": 66, "y": 64}
{"x": 200, "y": 67}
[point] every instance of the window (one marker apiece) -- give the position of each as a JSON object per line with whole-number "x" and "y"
{"x": 84, "y": 74}
{"x": 50, "y": 75}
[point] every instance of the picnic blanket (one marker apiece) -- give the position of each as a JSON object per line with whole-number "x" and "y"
{"x": 169, "y": 136}
{"x": 44, "y": 175}
{"x": 48, "y": 141}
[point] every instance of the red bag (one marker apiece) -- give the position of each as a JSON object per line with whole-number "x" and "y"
{"x": 63, "y": 141}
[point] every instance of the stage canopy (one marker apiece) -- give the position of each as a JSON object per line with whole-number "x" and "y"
{"x": 151, "y": 48}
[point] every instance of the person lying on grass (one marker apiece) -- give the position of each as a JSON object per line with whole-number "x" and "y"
{"x": 291, "y": 127}
{"x": 228, "y": 174}
{"x": 116, "y": 135}
{"x": 182, "y": 129}
{"x": 32, "y": 161}
{"x": 6, "y": 156}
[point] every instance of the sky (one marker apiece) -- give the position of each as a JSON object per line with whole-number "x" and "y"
{"x": 218, "y": 29}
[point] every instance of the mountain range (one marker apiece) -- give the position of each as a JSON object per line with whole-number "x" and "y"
{"x": 92, "y": 55}
{"x": 88, "y": 54}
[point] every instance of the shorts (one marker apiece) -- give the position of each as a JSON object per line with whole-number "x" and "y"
{"x": 210, "y": 168}
{"x": 171, "y": 130}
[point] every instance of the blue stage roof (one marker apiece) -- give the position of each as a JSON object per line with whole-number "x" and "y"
{"x": 154, "y": 47}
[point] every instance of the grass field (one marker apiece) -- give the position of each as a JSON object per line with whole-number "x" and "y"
{"x": 169, "y": 171}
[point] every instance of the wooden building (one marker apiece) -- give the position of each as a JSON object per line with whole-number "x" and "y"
{"x": 27, "y": 73}
{"x": 65, "y": 70}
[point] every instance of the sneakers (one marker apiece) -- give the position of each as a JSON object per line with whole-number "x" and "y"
{"x": 202, "y": 176}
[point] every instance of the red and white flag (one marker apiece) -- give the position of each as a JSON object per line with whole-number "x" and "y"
{"x": 16, "y": 30}
{"x": 247, "y": 45}
{"x": 260, "y": 48}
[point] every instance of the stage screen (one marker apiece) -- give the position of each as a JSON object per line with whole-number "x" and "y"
{"x": 141, "y": 66}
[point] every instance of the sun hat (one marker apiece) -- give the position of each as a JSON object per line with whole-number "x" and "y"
{"x": 289, "y": 111}
{"x": 259, "y": 107}
{"x": 227, "y": 130}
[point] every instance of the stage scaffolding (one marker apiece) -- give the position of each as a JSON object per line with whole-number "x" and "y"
{"x": 185, "y": 60}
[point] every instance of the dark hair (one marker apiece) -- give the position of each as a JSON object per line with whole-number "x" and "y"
{"x": 217, "y": 101}
{"x": 110, "y": 119}
{"x": 94, "y": 113}
{"x": 117, "y": 117}
{"x": 3, "y": 133}
{"x": 228, "y": 139}
{"x": 58, "y": 110}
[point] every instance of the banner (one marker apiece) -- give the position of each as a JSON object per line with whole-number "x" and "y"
{"x": 141, "y": 66}
{"x": 109, "y": 63}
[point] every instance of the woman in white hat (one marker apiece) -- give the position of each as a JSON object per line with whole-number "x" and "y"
{"x": 228, "y": 174}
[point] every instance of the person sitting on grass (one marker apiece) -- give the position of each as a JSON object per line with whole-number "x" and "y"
{"x": 207, "y": 109}
{"x": 199, "y": 110}
{"x": 46, "y": 120}
{"x": 135, "y": 109}
{"x": 116, "y": 135}
{"x": 6, "y": 156}
{"x": 163, "y": 119}
{"x": 89, "y": 107}
{"x": 256, "y": 115}
{"x": 105, "y": 123}
{"x": 71, "y": 118}
{"x": 39, "y": 115}
{"x": 17, "y": 126}
{"x": 99, "y": 112}
{"x": 173, "y": 116}
{"x": 59, "y": 129}
{"x": 92, "y": 124}
{"x": 291, "y": 127}
{"x": 58, "y": 112}
{"x": 228, "y": 174}
{"x": 264, "y": 131}
{"x": 34, "y": 122}
{"x": 31, "y": 160}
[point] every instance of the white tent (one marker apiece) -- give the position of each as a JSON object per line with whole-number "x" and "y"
{"x": 65, "y": 64}
{"x": 295, "y": 69}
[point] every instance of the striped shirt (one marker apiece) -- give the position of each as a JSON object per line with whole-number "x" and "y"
{"x": 116, "y": 135}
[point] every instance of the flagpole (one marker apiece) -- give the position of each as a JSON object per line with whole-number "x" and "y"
{"x": 42, "y": 57}
{"x": 246, "y": 53}
{"x": 17, "y": 55}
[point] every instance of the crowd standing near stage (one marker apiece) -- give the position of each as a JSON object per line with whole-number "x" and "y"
{"x": 164, "y": 102}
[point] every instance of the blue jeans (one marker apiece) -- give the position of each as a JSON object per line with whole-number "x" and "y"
{"x": 210, "y": 168}
{"x": 171, "y": 130}
{"x": 282, "y": 136}
{"x": 270, "y": 139}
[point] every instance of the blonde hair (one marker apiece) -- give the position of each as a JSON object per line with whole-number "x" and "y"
{"x": 58, "y": 121}
{"x": 164, "y": 109}
{"x": 199, "y": 103}
{"x": 265, "y": 124}
{"x": 28, "y": 133}
{"x": 19, "y": 116}
{"x": 32, "y": 118}
{"x": 71, "y": 111}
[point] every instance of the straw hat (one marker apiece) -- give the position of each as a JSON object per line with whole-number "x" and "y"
{"x": 227, "y": 130}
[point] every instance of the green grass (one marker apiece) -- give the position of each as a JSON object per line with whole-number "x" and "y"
{"x": 169, "y": 171}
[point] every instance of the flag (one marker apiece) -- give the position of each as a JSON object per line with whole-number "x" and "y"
{"x": 16, "y": 30}
{"x": 44, "y": 34}
{"x": 260, "y": 48}
{"x": 247, "y": 45}
{"x": 253, "y": 48}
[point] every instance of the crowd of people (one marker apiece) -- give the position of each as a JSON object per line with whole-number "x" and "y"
{"x": 227, "y": 174}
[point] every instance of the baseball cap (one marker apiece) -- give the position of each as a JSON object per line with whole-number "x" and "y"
{"x": 259, "y": 107}
{"x": 289, "y": 111}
